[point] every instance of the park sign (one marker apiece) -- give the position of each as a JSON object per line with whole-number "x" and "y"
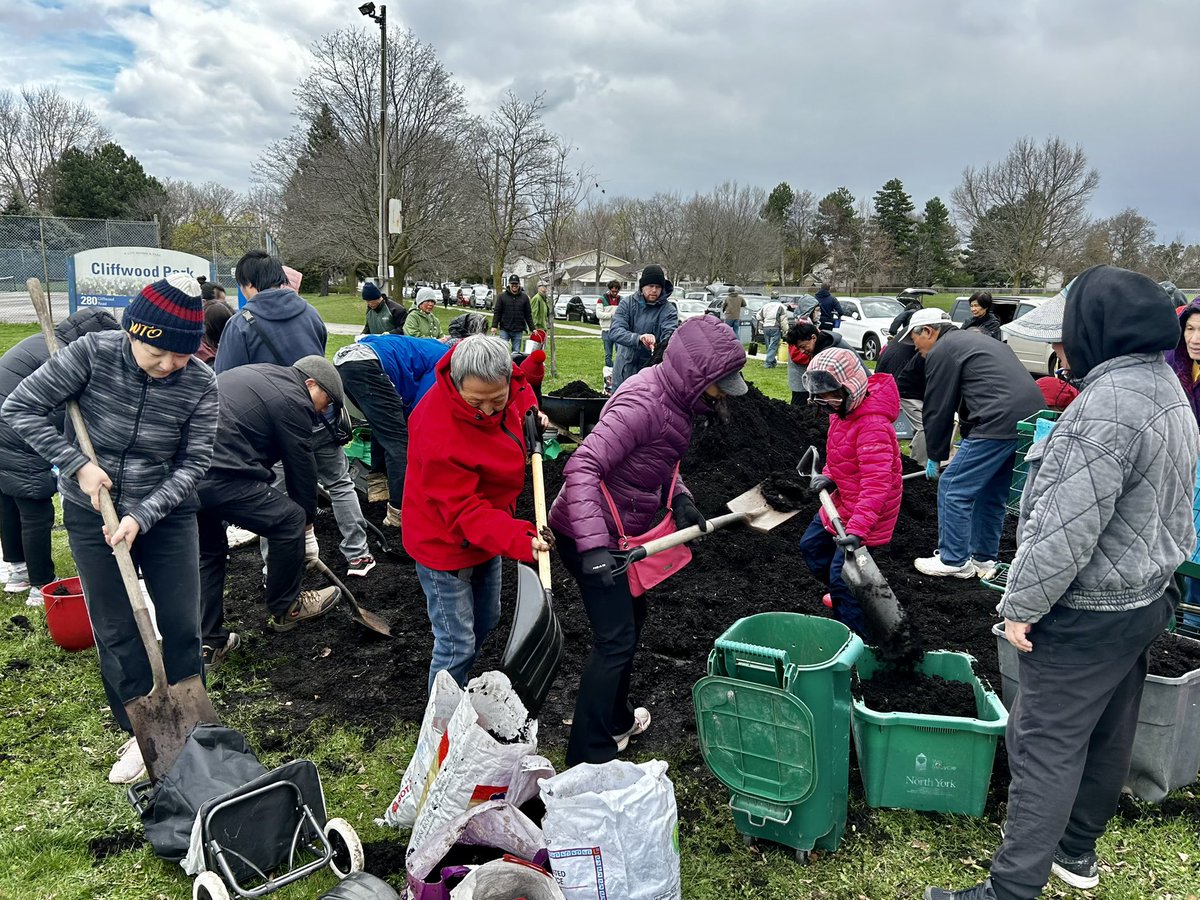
{"x": 112, "y": 276}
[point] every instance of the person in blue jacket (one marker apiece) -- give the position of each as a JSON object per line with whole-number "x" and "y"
{"x": 385, "y": 375}
{"x": 643, "y": 320}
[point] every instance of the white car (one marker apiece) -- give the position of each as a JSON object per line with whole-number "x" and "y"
{"x": 484, "y": 296}
{"x": 1037, "y": 357}
{"x": 865, "y": 322}
{"x": 689, "y": 309}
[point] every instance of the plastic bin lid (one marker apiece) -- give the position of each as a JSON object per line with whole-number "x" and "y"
{"x": 757, "y": 740}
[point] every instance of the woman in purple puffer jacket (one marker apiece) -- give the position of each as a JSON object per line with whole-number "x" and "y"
{"x": 634, "y": 450}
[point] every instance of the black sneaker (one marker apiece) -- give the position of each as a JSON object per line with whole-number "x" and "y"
{"x": 1081, "y": 872}
{"x": 214, "y": 656}
{"x": 979, "y": 892}
{"x": 309, "y": 605}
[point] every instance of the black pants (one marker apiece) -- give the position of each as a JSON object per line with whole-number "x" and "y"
{"x": 1070, "y": 736}
{"x": 25, "y": 524}
{"x": 372, "y": 391}
{"x": 256, "y": 506}
{"x": 602, "y": 708}
{"x": 167, "y": 556}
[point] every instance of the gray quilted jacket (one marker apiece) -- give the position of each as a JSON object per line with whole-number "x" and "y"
{"x": 1107, "y": 511}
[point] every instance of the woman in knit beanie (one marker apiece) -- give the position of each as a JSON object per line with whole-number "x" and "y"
{"x": 151, "y": 412}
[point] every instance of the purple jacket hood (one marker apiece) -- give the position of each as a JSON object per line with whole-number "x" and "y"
{"x": 1181, "y": 362}
{"x": 643, "y": 432}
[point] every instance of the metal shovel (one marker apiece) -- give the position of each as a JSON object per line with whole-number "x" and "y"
{"x": 860, "y": 573}
{"x": 534, "y": 648}
{"x": 750, "y": 509}
{"x": 357, "y": 613}
{"x": 163, "y": 719}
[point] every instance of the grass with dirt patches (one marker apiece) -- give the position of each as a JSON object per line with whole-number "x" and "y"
{"x": 66, "y": 833}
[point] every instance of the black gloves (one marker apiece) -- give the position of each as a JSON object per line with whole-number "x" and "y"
{"x": 822, "y": 483}
{"x": 599, "y": 563}
{"x": 686, "y": 514}
{"x": 849, "y": 543}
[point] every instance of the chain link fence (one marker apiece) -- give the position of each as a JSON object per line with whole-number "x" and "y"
{"x": 39, "y": 247}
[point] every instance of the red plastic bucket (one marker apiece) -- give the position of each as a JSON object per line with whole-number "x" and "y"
{"x": 67, "y": 616}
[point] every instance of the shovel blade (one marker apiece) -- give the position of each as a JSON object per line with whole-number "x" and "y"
{"x": 879, "y": 602}
{"x": 534, "y": 648}
{"x": 759, "y": 514}
{"x": 162, "y": 722}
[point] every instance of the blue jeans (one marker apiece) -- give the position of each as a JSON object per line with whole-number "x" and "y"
{"x": 606, "y": 339}
{"x": 733, "y": 323}
{"x": 825, "y": 559}
{"x": 972, "y": 493}
{"x": 513, "y": 338}
{"x": 772, "y": 338}
{"x": 464, "y": 607}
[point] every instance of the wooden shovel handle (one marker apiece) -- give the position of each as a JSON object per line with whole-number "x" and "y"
{"x": 539, "y": 517}
{"x": 830, "y": 510}
{"x": 141, "y": 614}
{"x": 683, "y": 536}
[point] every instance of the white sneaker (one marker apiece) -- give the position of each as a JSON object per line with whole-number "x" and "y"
{"x": 129, "y": 766}
{"x": 35, "y": 597}
{"x": 641, "y": 721}
{"x": 933, "y": 565}
{"x": 984, "y": 568}
{"x": 17, "y": 581}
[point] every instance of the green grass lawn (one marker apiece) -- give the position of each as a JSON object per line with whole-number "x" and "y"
{"x": 66, "y": 833}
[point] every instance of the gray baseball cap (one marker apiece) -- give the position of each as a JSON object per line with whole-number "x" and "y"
{"x": 321, "y": 370}
{"x": 1044, "y": 323}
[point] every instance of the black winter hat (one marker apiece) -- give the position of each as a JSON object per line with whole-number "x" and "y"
{"x": 168, "y": 314}
{"x": 653, "y": 275}
{"x": 371, "y": 291}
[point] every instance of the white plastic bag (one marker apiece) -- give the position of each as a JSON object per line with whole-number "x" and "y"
{"x": 507, "y": 879}
{"x": 443, "y": 700}
{"x": 613, "y": 831}
{"x": 488, "y": 736}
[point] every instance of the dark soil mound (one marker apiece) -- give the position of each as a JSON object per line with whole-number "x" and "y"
{"x": 335, "y": 668}
{"x": 577, "y": 390}
{"x": 1172, "y": 656}
{"x": 110, "y": 844}
{"x": 896, "y": 690}
{"x": 786, "y": 491}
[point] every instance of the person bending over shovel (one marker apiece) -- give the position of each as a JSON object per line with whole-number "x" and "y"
{"x": 466, "y": 468}
{"x": 615, "y": 484}
{"x": 151, "y": 411}
{"x": 862, "y": 471}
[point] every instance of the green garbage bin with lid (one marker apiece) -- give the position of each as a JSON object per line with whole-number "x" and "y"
{"x": 773, "y": 720}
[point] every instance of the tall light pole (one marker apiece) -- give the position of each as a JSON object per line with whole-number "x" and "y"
{"x": 368, "y": 9}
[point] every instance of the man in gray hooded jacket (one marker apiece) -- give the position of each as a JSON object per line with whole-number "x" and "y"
{"x": 1105, "y": 519}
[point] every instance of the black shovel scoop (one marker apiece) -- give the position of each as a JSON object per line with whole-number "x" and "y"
{"x": 887, "y": 624}
{"x": 534, "y": 649}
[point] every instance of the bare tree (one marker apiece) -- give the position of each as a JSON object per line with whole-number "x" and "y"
{"x": 1176, "y": 261}
{"x": 513, "y": 159}
{"x": 662, "y": 226}
{"x": 327, "y": 169}
{"x": 37, "y": 125}
{"x": 803, "y": 249}
{"x": 726, "y": 235}
{"x": 1025, "y": 212}
{"x": 594, "y": 230}
{"x": 870, "y": 252}
{"x": 556, "y": 203}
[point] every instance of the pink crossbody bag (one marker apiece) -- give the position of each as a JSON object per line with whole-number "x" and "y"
{"x": 653, "y": 570}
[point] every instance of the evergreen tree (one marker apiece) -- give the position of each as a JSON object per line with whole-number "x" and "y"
{"x": 835, "y": 218}
{"x": 932, "y": 257}
{"x": 894, "y": 213}
{"x": 105, "y": 183}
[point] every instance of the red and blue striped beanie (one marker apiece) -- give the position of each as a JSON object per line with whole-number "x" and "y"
{"x": 168, "y": 314}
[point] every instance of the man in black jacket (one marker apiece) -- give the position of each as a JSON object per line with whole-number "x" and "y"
{"x": 984, "y": 382}
{"x": 267, "y": 415}
{"x": 901, "y": 360}
{"x": 512, "y": 316}
{"x": 831, "y": 310}
{"x": 27, "y": 486}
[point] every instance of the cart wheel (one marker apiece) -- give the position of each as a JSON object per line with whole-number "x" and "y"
{"x": 209, "y": 886}
{"x": 804, "y": 857}
{"x": 348, "y": 853}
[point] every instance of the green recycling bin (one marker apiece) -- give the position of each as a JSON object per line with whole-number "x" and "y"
{"x": 773, "y": 719}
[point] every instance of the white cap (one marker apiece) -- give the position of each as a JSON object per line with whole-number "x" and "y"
{"x": 924, "y": 317}
{"x": 1044, "y": 323}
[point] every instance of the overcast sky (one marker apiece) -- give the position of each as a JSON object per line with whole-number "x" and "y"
{"x": 677, "y": 94}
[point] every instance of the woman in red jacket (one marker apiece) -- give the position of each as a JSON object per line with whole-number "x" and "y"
{"x": 466, "y": 468}
{"x": 862, "y": 470}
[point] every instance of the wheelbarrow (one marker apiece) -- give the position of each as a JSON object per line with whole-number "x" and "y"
{"x": 573, "y": 412}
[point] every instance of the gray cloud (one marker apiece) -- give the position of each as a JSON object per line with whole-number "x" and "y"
{"x": 683, "y": 94}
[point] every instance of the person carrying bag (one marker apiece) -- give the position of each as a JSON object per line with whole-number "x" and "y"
{"x": 614, "y": 486}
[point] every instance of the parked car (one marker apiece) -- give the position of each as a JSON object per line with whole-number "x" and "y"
{"x": 689, "y": 309}
{"x": 576, "y": 309}
{"x": 865, "y": 322}
{"x": 1005, "y": 308}
{"x": 1038, "y": 358}
{"x": 801, "y": 307}
{"x": 915, "y": 296}
{"x": 484, "y": 297}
